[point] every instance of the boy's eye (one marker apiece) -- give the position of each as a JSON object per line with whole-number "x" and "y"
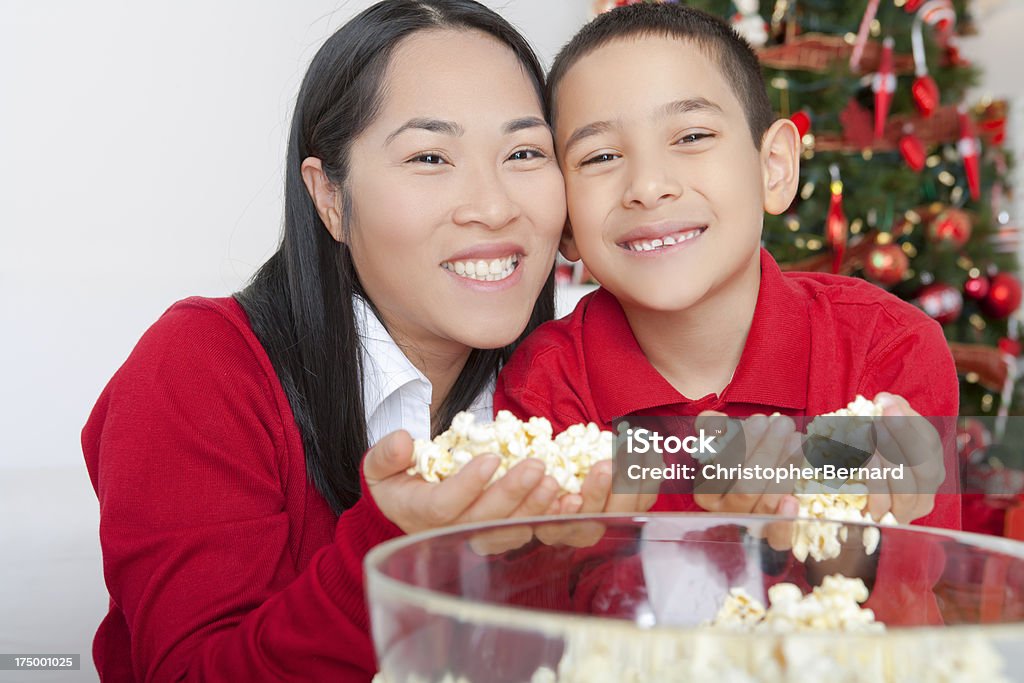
{"x": 526, "y": 155}
{"x": 691, "y": 138}
{"x": 601, "y": 158}
{"x": 432, "y": 158}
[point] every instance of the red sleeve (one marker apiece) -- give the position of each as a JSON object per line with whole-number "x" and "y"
{"x": 188, "y": 454}
{"x": 916, "y": 364}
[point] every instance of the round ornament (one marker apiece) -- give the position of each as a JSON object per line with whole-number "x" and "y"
{"x": 951, "y": 227}
{"x": 976, "y": 288}
{"x": 886, "y": 264}
{"x": 940, "y": 301}
{"x": 1004, "y": 296}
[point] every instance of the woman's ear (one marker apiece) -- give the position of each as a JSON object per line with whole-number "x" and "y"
{"x": 567, "y": 245}
{"x": 780, "y": 162}
{"x": 326, "y": 196}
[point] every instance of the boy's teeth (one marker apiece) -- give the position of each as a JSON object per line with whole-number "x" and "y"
{"x": 667, "y": 241}
{"x": 485, "y": 271}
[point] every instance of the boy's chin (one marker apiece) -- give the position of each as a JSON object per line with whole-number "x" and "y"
{"x": 677, "y": 299}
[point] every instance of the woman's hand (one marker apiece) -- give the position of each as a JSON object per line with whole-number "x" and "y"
{"x": 413, "y": 504}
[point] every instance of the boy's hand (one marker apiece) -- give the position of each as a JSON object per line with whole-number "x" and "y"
{"x": 905, "y": 437}
{"x": 413, "y": 504}
{"x": 769, "y": 442}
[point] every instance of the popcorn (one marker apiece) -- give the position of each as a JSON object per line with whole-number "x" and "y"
{"x": 569, "y": 456}
{"x": 740, "y": 611}
{"x": 822, "y": 540}
{"x": 832, "y": 606}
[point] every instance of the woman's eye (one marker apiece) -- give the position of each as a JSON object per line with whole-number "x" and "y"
{"x": 429, "y": 158}
{"x": 691, "y": 138}
{"x": 526, "y": 155}
{"x": 599, "y": 158}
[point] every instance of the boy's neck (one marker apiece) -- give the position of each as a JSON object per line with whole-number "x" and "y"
{"x": 698, "y": 349}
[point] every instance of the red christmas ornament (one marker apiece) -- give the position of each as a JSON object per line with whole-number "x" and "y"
{"x": 972, "y": 438}
{"x": 970, "y": 152}
{"x": 1011, "y": 347}
{"x": 836, "y": 225}
{"x": 950, "y": 227}
{"x": 913, "y": 151}
{"x": 976, "y": 288}
{"x": 802, "y": 120}
{"x": 886, "y": 264}
{"x": 883, "y": 85}
{"x": 924, "y": 91}
{"x": 912, "y": 6}
{"x": 1003, "y": 298}
{"x": 940, "y": 301}
{"x": 926, "y": 94}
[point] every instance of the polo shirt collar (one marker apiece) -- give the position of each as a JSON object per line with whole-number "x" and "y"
{"x": 772, "y": 371}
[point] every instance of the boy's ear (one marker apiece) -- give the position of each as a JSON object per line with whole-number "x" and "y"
{"x": 780, "y": 161}
{"x": 568, "y": 244}
{"x": 326, "y": 196}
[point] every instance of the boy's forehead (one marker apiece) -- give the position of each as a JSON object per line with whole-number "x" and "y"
{"x": 639, "y": 75}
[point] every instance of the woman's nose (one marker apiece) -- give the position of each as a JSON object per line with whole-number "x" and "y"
{"x": 488, "y": 203}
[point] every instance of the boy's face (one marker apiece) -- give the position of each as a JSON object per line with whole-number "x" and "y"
{"x": 665, "y": 187}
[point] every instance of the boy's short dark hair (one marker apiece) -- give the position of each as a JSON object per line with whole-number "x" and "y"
{"x": 734, "y": 56}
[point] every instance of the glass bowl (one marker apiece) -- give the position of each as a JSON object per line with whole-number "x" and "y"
{"x": 630, "y": 598}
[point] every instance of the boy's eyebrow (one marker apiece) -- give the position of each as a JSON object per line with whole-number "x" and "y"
{"x": 432, "y": 125}
{"x": 685, "y": 106}
{"x": 522, "y": 123}
{"x": 583, "y": 132}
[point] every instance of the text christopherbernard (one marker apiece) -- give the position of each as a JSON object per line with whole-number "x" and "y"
{"x": 702, "y": 446}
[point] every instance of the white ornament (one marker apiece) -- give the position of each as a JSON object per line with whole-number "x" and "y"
{"x": 749, "y": 24}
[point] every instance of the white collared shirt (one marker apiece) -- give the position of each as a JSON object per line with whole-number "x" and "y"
{"x": 396, "y": 395}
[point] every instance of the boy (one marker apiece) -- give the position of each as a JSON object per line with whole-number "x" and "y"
{"x": 671, "y": 153}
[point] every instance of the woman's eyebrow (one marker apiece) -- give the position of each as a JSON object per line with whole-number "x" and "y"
{"x": 432, "y": 125}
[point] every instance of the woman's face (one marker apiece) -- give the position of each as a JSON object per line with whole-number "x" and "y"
{"x": 457, "y": 200}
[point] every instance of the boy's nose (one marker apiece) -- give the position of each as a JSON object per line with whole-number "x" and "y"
{"x": 650, "y": 186}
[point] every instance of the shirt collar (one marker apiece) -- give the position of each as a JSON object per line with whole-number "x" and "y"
{"x": 385, "y": 368}
{"x": 772, "y": 371}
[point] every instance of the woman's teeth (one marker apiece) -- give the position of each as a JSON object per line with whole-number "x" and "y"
{"x": 485, "y": 271}
{"x": 667, "y": 241}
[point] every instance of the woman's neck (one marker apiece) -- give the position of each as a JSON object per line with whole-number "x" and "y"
{"x": 441, "y": 362}
{"x": 698, "y": 349}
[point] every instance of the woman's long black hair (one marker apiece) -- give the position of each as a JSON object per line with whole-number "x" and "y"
{"x": 300, "y": 301}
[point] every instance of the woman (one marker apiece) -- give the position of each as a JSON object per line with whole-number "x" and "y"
{"x": 423, "y": 206}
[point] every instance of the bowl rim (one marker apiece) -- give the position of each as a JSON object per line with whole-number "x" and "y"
{"x": 557, "y": 623}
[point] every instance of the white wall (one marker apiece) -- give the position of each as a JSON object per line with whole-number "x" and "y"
{"x": 142, "y": 153}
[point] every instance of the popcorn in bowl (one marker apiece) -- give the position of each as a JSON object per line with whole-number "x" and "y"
{"x": 569, "y": 456}
{"x": 832, "y": 606}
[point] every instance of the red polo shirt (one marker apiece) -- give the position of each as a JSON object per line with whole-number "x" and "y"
{"x": 815, "y": 342}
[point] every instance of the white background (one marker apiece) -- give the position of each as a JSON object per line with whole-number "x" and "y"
{"x": 141, "y": 155}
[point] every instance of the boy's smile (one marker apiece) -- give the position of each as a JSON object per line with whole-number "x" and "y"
{"x": 666, "y": 189}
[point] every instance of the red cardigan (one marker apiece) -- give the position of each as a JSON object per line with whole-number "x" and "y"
{"x": 222, "y": 560}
